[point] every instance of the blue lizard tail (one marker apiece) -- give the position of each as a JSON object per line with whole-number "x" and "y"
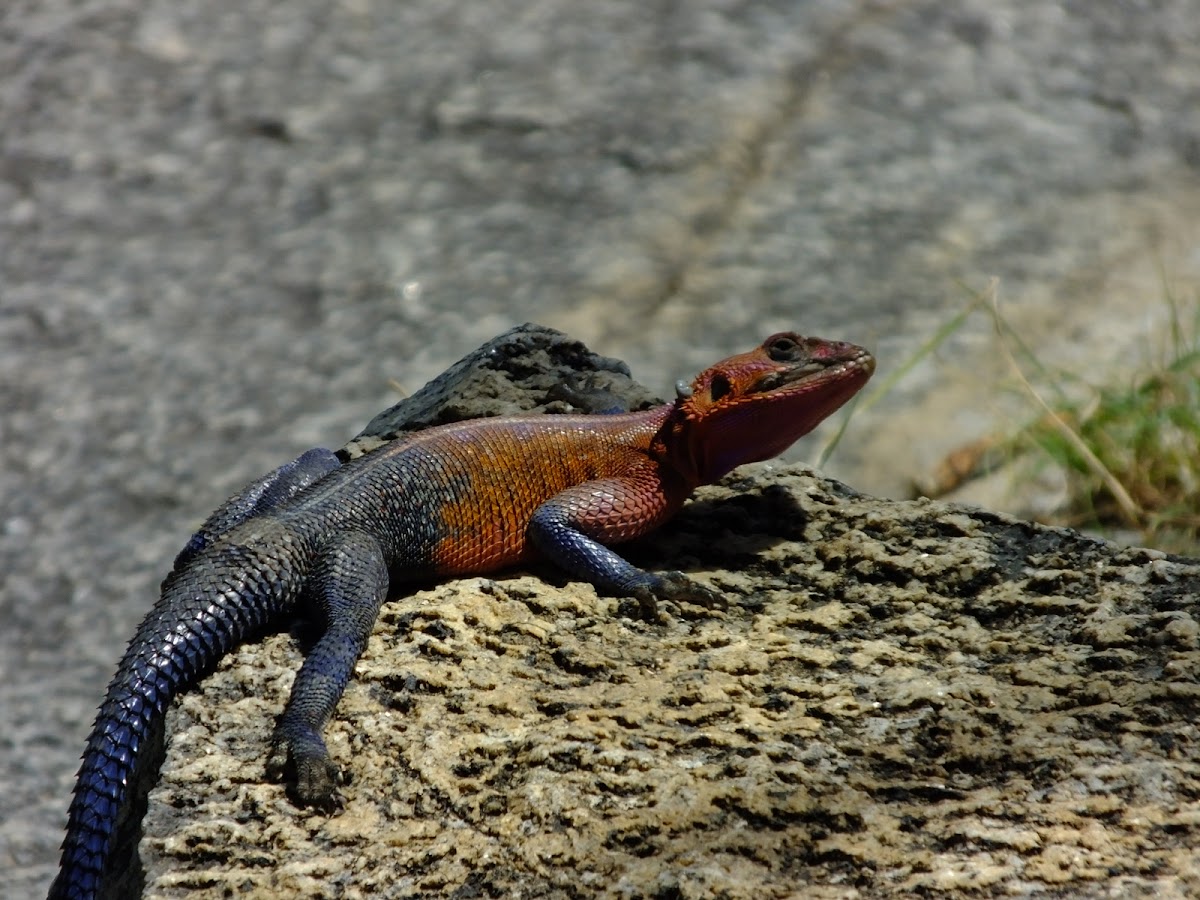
{"x": 225, "y": 599}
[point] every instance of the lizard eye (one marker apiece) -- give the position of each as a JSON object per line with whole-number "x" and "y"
{"x": 719, "y": 387}
{"x": 784, "y": 349}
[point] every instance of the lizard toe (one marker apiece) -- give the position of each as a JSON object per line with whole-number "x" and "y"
{"x": 678, "y": 587}
{"x": 641, "y": 604}
{"x": 316, "y": 784}
{"x": 311, "y": 778}
{"x": 277, "y": 764}
{"x": 674, "y": 588}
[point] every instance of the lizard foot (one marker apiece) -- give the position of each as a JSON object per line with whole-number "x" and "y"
{"x": 677, "y": 587}
{"x": 311, "y": 778}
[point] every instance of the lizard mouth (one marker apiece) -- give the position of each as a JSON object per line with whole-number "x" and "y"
{"x": 819, "y": 370}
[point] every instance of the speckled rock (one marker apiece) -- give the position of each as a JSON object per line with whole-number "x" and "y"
{"x": 901, "y": 699}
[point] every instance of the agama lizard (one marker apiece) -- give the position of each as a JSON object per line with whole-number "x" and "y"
{"x": 329, "y": 539}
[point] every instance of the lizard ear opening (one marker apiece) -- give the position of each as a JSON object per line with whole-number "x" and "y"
{"x": 719, "y": 387}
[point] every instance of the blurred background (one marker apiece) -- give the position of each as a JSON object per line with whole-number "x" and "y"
{"x": 225, "y": 227}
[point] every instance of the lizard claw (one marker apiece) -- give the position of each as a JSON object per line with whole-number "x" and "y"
{"x": 677, "y": 587}
{"x": 316, "y": 785}
{"x": 315, "y": 777}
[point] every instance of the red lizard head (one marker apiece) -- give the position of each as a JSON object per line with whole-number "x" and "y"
{"x": 755, "y": 405}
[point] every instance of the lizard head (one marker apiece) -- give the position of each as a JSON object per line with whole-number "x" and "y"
{"x": 755, "y": 405}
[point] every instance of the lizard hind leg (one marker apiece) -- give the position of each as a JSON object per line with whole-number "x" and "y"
{"x": 262, "y": 495}
{"x": 344, "y": 592}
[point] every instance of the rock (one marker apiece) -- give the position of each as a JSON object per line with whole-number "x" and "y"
{"x": 527, "y": 369}
{"x": 900, "y": 699}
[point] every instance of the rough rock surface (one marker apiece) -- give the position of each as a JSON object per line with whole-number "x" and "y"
{"x": 898, "y": 699}
{"x": 902, "y": 699}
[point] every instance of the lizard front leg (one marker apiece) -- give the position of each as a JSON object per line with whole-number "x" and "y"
{"x": 345, "y": 590}
{"x": 573, "y": 528}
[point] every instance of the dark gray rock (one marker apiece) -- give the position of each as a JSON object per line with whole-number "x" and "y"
{"x": 528, "y": 369}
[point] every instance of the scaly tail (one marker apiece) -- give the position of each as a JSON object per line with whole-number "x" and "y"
{"x": 207, "y": 607}
{"x": 221, "y": 599}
